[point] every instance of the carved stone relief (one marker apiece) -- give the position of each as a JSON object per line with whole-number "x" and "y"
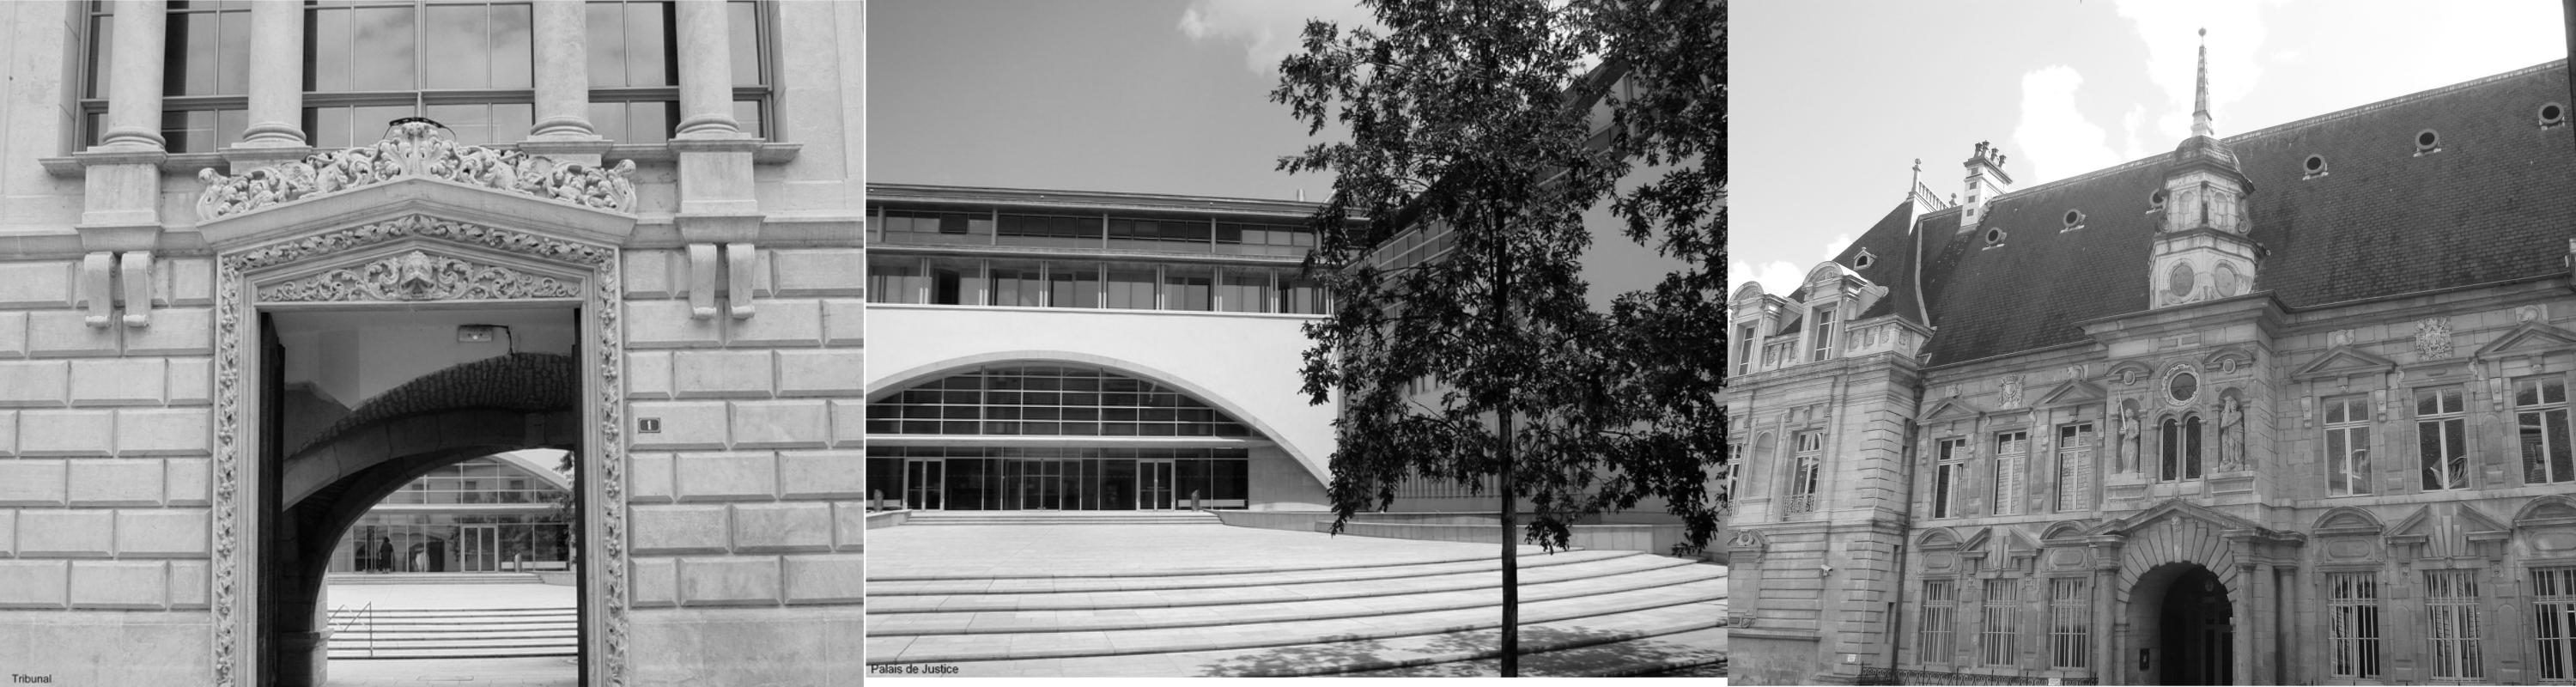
{"x": 2433, "y": 338}
{"x": 412, "y": 276}
{"x": 418, "y": 148}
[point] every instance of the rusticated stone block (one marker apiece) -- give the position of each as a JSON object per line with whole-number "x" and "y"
{"x": 66, "y": 533}
{"x": 822, "y": 474}
{"x": 188, "y": 281}
{"x": 174, "y": 331}
{"x": 824, "y": 372}
{"x": 780, "y": 424}
{"x": 192, "y": 380}
{"x": 32, "y": 482}
{"x": 821, "y": 271}
{"x": 188, "y": 481}
{"x": 116, "y": 482}
{"x": 63, "y": 333}
{"x": 680, "y": 529}
{"x": 849, "y": 524}
{"x": 189, "y": 584}
{"x": 648, "y": 274}
{"x": 13, "y": 335}
{"x": 656, "y": 581}
{"x": 162, "y": 532}
{"x": 40, "y": 284}
{"x": 782, "y": 527}
{"x": 34, "y": 383}
{"x": 684, "y": 425}
{"x": 826, "y": 578}
{"x": 177, "y": 431}
{"x": 648, "y": 375}
{"x": 845, "y": 321}
{"x": 726, "y": 476}
{"x": 119, "y": 381}
{"x": 730, "y": 580}
{"x": 849, "y": 423}
{"x": 667, "y": 324}
{"x": 648, "y": 478}
{"x": 779, "y": 322}
{"x": 721, "y": 374}
{"x": 35, "y": 583}
{"x": 120, "y": 584}
{"x": 66, "y": 432}
{"x": 8, "y": 531}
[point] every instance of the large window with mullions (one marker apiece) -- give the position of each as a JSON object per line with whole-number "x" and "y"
{"x": 1047, "y": 400}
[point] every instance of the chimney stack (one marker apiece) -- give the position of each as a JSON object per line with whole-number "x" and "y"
{"x": 1986, "y": 179}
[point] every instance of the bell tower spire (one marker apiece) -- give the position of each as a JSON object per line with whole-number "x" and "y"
{"x": 2202, "y": 250}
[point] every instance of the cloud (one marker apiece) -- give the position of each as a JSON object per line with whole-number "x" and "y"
{"x": 2057, "y": 137}
{"x": 2169, "y": 28}
{"x": 1268, "y": 30}
{"x": 1778, "y": 277}
{"x": 1835, "y": 247}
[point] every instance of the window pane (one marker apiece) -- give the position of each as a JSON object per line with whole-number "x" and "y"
{"x": 605, "y": 38}
{"x": 385, "y": 62}
{"x": 647, "y": 61}
{"x": 1187, "y": 288}
{"x": 1131, "y": 288}
{"x": 102, "y": 31}
{"x": 513, "y": 52}
{"x": 742, "y": 22}
{"x": 747, "y": 113}
{"x": 458, "y": 36}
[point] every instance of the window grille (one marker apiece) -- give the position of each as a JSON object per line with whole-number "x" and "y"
{"x": 1940, "y": 602}
{"x": 2070, "y": 623}
{"x": 2451, "y": 607}
{"x": 2553, "y": 609}
{"x": 1999, "y": 625}
{"x": 2352, "y": 623}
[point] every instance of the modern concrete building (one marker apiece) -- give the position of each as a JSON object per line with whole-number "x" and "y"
{"x": 629, "y": 230}
{"x": 2285, "y": 407}
{"x": 496, "y": 513}
{"x": 1056, "y": 350}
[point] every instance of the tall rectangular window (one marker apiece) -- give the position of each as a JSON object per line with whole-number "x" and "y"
{"x": 2352, "y": 624}
{"x": 1803, "y": 482}
{"x": 2012, "y": 451}
{"x": 1936, "y": 643}
{"x": 2540, "y": 411}
{"x": 1744, "y": 343}
{"x": 2553, "y": 611}
{"x": 2169, "y": 450}
{"x": 2075, "y": 467}
{"x": 896, "y": 279}
{"x": 1014, "y": 284}
{"x": 1952, "y": 466}
{"x": 1824, "y": 334}
{"x": 2348, "y": 445}
{"x": 2070, "y": 623}
{"x": 2441, "y": 436}
{"x": 2451, "y": 609}
{"x": 1999, "y": 625}
{"x": 1240, "y": 289}
{"x": 1188, "y": 288}
{"x": 1073, "y": 285}
{"x": 1131, "y": 288}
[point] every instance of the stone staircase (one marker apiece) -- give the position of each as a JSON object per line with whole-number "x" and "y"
{"x": 1589, "y": 613}
{"x": 1068, "y": 517}
{"x": 379, "y": 633}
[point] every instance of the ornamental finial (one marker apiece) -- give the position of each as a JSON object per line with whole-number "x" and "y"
{"x": 2200, "y": 98}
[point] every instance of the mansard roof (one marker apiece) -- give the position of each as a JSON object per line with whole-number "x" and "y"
{"x": 2492, "y": 205}
{"x": 1891, "y": 247}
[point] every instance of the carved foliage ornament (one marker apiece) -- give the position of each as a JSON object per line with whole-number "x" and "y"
{"x": 424, "y": 150}
{"x": 231, "y": 320}
{"x": 419, "y": 276}
{"x": 2433, "y": 338}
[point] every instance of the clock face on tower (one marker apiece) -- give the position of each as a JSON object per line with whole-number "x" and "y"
{"x": 2228, "y": 283}
{"x": 2178, "y": 281}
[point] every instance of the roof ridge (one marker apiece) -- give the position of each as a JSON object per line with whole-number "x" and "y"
{"x": 2278, "y": 129}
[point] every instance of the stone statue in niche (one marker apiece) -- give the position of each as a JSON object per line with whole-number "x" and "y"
{"x": 2128, "y": 448}
{"x": 2231, "y": 435}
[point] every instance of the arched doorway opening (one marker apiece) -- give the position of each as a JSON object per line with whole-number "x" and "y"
{"x": 2190, "y": 626}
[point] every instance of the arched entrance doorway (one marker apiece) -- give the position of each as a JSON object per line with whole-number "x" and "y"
{"x": 2187, "y": 626}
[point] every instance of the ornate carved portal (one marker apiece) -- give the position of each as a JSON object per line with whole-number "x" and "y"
{"x": 441, "y": 266}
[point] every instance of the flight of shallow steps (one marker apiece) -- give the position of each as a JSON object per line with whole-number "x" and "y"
{"x": 1582, "y": 613}
{"x": 1073, "y": 517}
{"x": 380, "y": 632}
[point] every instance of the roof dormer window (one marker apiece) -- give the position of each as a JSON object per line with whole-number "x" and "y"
{"x": 2552, "y": 115}
{"x": 2313, "y": 168}
{"x": 2428, "y": 141}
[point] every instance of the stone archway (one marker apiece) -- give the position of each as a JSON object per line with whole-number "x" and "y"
{"x": 2186, "y": 622}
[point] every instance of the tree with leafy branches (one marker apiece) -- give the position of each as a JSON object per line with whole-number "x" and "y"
{"x": 1461, "y": 345}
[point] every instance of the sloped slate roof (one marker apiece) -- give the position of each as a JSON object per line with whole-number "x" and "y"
{"x": 1891, "y": 249}
{"x": 2498, "y": 202}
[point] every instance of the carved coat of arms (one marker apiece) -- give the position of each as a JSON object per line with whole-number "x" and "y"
{"x": 2433, "y": 338}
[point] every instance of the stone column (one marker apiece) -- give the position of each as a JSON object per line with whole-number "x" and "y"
{"x": 276, "y": 76}
{"x": 706, "y": 70}
{"x": 134, "y": 96}
{"x": 563, "y": 72}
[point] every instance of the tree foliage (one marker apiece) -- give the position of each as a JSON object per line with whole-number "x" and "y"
{"x": 1471, "y": 141}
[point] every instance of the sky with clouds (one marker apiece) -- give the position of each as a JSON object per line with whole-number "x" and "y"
{"x": 1143, "y": 96}
{"x": 1832, "y": 101}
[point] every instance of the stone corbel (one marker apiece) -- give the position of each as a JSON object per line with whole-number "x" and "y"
{"x": 98, "y": 288}
{"x": 702, "y": 280}
{"x": 741, "y": 263}
{"x": 137, "y": 268}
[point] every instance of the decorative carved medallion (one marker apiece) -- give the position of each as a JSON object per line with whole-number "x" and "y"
{"x": 416, "y": 275}
{"x": 2433, "y": 338}
{"x": 424, "y": 150}
{"x": 2012, "y": 391}
{"x": 2339, "y": 337}
{"x": 419, "y": 276}
{"x": 2528, "y": 313}
{"x": 2182, "y": 384}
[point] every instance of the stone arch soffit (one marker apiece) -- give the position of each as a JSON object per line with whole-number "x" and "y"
{"x": 359, "y": 492}
{"x": 905, "y": 379}
{"x": 525, "y": 382}
{"x": 416, "y": 196}
{"x": 361, "y": 449}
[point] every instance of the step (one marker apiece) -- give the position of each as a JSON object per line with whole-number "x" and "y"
{"x": 1012, "y": 622}
{"x": 1632, "y": 657}
{"x": 1694, "y": 602}
{"x": 889, "y": 587}
{"x": 433, "y": 578}
{"x": 1531, "y": 578}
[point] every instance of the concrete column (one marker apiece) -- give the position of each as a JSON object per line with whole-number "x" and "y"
{"x": 134, "y": 97}
{"x": 276, "y": 76}
{"x": 706, "y": 71}
{"x": 563, "y": 71}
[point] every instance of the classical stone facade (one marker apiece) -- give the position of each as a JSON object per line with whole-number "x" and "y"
{"x": 2221, "y": 416}
{"x": 701, "y": 267}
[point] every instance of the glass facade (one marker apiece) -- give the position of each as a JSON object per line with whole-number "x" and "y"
{"x": 1022, "y": 400}
{"x": 481, "y": 515}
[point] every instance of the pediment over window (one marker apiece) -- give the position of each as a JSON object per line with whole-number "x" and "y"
{"x": 2072, "y": 392}
{"x": 2445, "y": 530}
{"x": 2066, "y": 533}
{"x": 2344, "y": 361}
{"x": 2228, "y": 360}
{"x": 1937, "y": 538}
{"x": 2179, "y": 509}
{"x": 2547, "y": 511}
{"x": 1951, "y": 409}
{"x": 2532, "y": 338}
{"x": 417, "y": 174}
{"x": 2130, "y": 372}
{"x": 2346, "y": 521}
{"x": 430, "y": 200}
